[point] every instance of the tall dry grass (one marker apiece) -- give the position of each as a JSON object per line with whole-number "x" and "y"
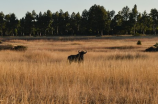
{"x": 42, "y": 75}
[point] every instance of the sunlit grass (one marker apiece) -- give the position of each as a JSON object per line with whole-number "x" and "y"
{"x": 42, "y": 75}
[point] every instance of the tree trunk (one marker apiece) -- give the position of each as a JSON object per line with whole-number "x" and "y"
{"x": 154, "y": 29}
{"x": 1, "y": 33}
{"x": 101, "y": 32}
{"x": 78, "y": 28}
{"x": 98, "y": 32}
{"x": 134, "y": 30}
{"x": 45, "y": 32}
{"x": 57, "y": 30}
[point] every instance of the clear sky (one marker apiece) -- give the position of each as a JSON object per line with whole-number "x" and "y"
{"x": 20, "y": 7}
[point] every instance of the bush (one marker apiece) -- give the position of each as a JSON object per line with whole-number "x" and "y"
{"x": 156, "y": 45}
{"x": 1, "y": 42}
{"x": 151, "y": 49}
{"x": 139, "y": 42}
{"x": 136, "y": 34}
{"x": 154, "y": 48}
{"x": 98, "y": 35}
{"x": 20, "y": 48}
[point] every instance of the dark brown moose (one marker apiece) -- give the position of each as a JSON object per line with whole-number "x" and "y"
{"x": 77, "y": 58}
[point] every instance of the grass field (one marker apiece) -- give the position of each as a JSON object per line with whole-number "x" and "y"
{"x": 114, "y": 71}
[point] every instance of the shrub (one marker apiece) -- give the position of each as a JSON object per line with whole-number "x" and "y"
{"x": 20, "y": 48}
{"x": 1, "y": 42}
{"x": 156, "y": 45}
{"x": 136, "y": 34}
{"x": 98, "y": 35}
{"x": 154, "y": 48}
{"x": 139, "y": 42}
{"x": 151, "y": 49}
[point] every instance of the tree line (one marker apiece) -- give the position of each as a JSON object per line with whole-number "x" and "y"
{"x": 95, "y": 21}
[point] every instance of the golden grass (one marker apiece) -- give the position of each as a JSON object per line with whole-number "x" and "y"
{"x": 42, "y": 75}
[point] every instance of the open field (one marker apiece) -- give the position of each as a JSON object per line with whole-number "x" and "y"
{"x": 115, "y": 71}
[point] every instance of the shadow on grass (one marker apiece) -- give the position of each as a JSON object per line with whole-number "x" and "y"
{"x": 127, "y": 56}
{"x": 11, "y": 47}
{"x": 122, "y": 47}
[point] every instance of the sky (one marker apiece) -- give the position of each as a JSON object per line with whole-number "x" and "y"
{"x": 21, "y": 7}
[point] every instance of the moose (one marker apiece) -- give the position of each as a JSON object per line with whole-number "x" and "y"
{"x": 77, "y": 58}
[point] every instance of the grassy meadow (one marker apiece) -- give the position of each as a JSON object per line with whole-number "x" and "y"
{"x": 114, "y": 71}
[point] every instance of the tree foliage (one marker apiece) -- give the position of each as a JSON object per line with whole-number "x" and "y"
{"x": 96, "y": 20}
